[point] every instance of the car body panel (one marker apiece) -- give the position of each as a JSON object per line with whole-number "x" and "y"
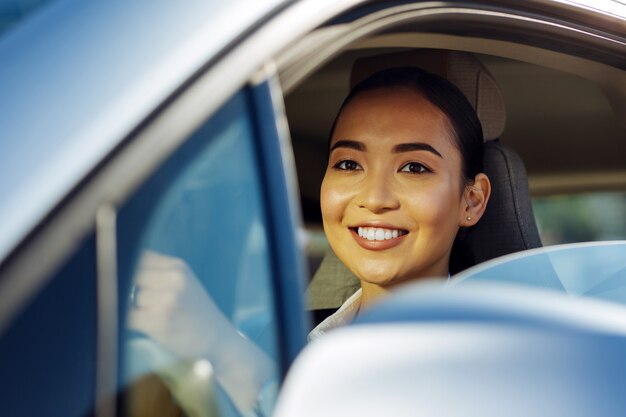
{"x": 482, "y": 349}
{"x": 129, "y": 57}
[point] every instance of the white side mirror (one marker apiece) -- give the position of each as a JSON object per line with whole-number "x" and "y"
{"x": 531, "y": 354}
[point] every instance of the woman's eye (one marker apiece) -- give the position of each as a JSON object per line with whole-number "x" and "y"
{"x": 415, "y": 168}
{"x": 347, "y": 165}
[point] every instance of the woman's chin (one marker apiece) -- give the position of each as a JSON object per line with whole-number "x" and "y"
{"x": 380, "y": 275}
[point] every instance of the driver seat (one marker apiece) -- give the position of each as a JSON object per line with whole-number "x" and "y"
{"x": 508, "y": 224}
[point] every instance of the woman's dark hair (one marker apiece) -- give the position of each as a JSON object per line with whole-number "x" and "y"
{"x": 466, "y": 129}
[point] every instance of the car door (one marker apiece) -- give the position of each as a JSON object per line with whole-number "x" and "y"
{"x": 218, "y": 205}
{"x": 48, "y": 351}
{"x": 220, "y": 202}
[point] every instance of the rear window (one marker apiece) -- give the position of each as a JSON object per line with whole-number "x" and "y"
{"x": 581, "y": 217}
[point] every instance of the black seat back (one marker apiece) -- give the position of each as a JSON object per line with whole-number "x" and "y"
{"x": 508, "y": 224}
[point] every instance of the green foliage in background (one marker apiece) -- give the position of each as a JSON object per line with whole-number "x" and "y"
{"x": 581, "y": 217}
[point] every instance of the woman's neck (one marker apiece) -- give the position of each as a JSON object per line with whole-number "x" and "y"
{"x": 371, "y": 293}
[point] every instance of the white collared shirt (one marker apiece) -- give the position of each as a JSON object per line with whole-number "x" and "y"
{"x": 346, "y": 313}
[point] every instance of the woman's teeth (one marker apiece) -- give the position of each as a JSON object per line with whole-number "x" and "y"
{"x": 378, "y": 233}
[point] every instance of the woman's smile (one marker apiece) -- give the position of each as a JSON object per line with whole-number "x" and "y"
{"x": 378, "y": 237}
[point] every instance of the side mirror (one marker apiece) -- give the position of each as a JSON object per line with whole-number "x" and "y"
{"x": 475, "y": 351}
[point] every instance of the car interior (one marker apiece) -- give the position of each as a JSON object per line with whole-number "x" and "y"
{"x": 554, "y": 129}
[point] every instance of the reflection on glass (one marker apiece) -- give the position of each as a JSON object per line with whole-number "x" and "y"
{"x": 196, "y": 279}
{"x": 583, "y": 269}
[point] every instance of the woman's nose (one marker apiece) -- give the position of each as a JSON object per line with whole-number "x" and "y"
{"x": 377, "y": 194}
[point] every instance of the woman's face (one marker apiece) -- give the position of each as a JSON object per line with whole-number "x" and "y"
{"x": 391, "y": 196}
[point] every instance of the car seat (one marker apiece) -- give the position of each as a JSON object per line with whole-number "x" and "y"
{"x": 508, "y": 224}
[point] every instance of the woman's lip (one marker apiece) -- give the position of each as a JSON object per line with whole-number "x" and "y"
{"x": 376, "y": 245}
{"x": 376, "y": 224}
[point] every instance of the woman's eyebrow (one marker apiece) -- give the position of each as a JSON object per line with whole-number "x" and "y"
{"x": 415, "y": 146}
{"x": 347, "y": 143}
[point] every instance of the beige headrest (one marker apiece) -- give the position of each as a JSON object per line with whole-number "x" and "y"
{"x": 461, "y": 68}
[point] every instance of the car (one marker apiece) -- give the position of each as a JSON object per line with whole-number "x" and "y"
{"x": 196, "y": 132}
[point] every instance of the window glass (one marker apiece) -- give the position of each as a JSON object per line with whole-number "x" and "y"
{"x": 591, "y": 269}
{"x": 48, "y": 354}
{"x": 195, "y": 282}
{"x": 581, "y": 217}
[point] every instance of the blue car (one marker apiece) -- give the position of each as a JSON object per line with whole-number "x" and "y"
{"x": 193, "y": 135}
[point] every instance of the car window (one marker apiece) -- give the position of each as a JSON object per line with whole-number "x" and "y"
{"x": 201, "y": 219}
{"x": 591, "y": 269}
{"x": 581, "y": 217}
{"x": 49, "y": 351}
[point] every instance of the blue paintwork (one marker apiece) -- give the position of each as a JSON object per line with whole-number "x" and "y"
{"x": 288, "y": 263}
{"x": 77, "y": 77}
{"x": 48, "y": 355}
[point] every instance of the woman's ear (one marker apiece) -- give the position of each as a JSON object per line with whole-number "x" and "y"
{"x": 475, "y": 197}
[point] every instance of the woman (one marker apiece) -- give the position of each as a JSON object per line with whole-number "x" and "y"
{"x": 404, "y": 175}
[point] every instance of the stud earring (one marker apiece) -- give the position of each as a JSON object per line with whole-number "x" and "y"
{"x": 468, "y": 218}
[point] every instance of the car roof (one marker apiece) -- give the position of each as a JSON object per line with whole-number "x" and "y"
{"x": 77, "y": 77}
{"x": 611, "y": 7}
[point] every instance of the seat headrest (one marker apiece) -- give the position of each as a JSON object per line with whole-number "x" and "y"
{"x": 461, "y": 68}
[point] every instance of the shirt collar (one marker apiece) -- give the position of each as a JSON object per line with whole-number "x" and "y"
{"x": 346, "y": 313}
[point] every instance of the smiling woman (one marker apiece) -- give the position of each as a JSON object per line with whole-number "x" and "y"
{"x": 404, "y": 175}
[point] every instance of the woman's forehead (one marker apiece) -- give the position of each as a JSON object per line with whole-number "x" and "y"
{"x": 385, "y": 117}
